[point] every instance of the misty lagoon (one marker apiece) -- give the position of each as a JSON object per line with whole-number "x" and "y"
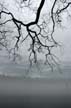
{"x": 34, "y": 32}
{"x": 34, "y": 87}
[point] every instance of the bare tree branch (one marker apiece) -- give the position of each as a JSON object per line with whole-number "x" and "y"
{"x": 42, "y": 38}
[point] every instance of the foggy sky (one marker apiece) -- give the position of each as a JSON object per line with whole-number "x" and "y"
{"x": 63, "y": 36}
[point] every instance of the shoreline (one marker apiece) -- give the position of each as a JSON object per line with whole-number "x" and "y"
{"x": 32, "y": 86}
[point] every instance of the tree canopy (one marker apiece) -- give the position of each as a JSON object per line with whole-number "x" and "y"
{"x": 39, "y": 28}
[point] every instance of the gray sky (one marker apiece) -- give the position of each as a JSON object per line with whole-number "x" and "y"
{"x": 63, "y": 35}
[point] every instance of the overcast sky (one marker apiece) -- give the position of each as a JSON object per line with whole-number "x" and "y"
{"x": 63, "y": 35}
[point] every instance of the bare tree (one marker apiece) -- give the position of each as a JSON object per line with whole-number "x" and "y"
{"x": 40, "y": 31}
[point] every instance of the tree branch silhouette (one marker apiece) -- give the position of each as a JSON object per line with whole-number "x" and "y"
{"x": 37, "y": 45}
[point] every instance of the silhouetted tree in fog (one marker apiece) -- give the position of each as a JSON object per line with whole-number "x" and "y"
{"x": 40, "y": 31}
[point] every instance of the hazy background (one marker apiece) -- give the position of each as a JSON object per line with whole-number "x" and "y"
{"x": 63, "y": 36}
